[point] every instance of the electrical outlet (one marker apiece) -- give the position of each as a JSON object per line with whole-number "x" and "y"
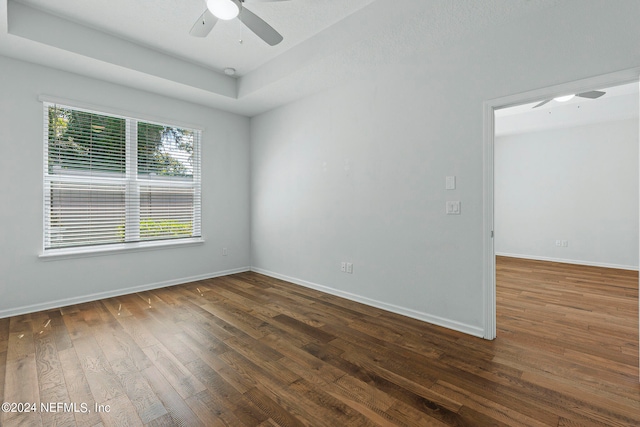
{"x": 565, "y": 243}
{"x": 343, "y": 267}
{"x": 225, "y": 252}
{"x": 350, "y": 267}
{"x": 453, "y": 207}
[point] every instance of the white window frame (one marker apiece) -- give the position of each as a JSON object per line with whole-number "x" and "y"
{"x": 132, "y": 183}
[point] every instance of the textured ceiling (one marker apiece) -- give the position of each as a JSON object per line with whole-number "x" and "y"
{"x": 618, "y": 103}
{"x": 145, "y": 43}
{"x": 164, "y": 25}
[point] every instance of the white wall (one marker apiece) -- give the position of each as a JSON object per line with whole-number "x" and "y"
{"x": 578, "y": 184}
{"x": 28, "y": 283}
{"x": 356, "y": 173}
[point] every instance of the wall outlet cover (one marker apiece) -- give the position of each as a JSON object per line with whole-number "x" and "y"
{"x": 453, "y": 207}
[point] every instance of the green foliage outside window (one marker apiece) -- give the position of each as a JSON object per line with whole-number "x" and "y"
{"x": 80, "y": 140}
{"x": 86, "y": 141}
{"x": 164, "y": 151}
{"x": 167, "y": 228}
{"x": 150, "y": 228}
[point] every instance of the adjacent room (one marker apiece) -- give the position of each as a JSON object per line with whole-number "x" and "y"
{"x": 279, "y": 213}
{"x": 566, "y": 227}
{"x": 566, "y": 186}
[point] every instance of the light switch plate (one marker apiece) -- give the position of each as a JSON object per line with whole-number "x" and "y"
{"x": 450, "y": 183}
{"x": 453, "y": 207}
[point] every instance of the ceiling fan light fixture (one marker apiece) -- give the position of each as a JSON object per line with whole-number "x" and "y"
{"x": 564, "y": 98}
{"x": 224, "y": 9}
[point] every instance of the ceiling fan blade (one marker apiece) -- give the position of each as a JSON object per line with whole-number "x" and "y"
{"x": 541, "y": 104}
{"x": 260, "y": 27}
{"x": 204, "y": 24}
{"x": 591, "y": 95}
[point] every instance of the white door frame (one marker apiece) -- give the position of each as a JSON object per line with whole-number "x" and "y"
{"x": 489, "y": 107}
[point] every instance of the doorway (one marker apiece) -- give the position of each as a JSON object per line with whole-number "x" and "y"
{"x": 490, "y": 107}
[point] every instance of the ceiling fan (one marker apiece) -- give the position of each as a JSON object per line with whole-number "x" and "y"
{"x": 591, "y": 95}
{"x": 230, "y": 9}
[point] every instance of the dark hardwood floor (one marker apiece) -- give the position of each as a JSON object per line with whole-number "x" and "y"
{"x": 248, "y": 350}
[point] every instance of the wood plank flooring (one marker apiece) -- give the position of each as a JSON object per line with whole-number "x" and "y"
{"x": 248, "y": 350}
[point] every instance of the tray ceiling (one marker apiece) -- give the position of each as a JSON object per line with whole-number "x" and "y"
{"x": 145, "y": 44}
{"x": 164, "y": 25}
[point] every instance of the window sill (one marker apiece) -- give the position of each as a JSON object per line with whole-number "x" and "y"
{"x": 67, "y": 253}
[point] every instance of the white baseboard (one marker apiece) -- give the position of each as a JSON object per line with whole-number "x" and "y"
{"x": 425, "y": 317}
{"x": 115, "y": 293}
{"x": 569, "y": 261}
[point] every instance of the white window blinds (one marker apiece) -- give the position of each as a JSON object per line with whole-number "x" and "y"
{"x": 117, "y": 180}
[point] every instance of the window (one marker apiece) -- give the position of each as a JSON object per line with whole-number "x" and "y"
{"x": 119, "y": 181}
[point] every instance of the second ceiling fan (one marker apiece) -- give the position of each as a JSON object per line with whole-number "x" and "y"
{"x": 230, "y": 9}
{"x": 591, "y": 95}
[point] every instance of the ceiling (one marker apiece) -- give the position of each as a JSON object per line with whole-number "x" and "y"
{"x": 145, "y": 43}
{"x": 618, "y": 103}
{"x": 163, "y": 25}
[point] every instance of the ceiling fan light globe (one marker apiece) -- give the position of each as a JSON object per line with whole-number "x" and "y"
{"x": 564, "y": 98}
{"x": 224, "y": 9}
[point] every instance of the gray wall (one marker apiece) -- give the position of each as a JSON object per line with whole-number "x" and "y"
{"x": 357, "y": 173}
{"x": 354, "y": 173}
{"x": 28, "y": 283}
{"x": 577, "y": 184}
